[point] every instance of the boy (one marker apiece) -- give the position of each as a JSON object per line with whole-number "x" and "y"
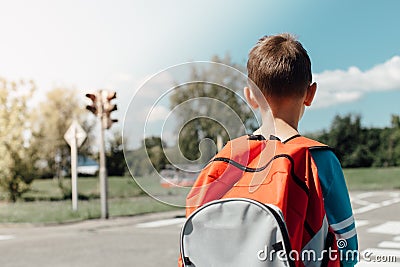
{"x": 281, "y": 68}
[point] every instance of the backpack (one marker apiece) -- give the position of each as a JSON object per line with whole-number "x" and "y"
{"x": 214, "y": 233}
{"x": 252, "y": 173}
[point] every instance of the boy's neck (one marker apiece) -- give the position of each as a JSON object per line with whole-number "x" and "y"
{"x": 280, "y": 128}
{"x": 282, "y": 123}
{"x": 285, "y": 129}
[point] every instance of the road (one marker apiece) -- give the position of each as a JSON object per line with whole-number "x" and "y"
{"x": 153, "y": 240}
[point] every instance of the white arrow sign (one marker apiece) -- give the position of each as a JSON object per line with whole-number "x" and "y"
{"x": 75, "y": 131}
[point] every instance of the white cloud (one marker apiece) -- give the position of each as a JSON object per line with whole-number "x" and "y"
{"x": 340, "y": 86}
{"x": 158, "y": 113}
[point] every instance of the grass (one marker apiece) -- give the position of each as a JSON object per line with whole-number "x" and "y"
{"x": 61, "y": 211}
{"x": 88, "y": 188}
{"x": 373, "y": 178}
{"x": 46, "y": 203}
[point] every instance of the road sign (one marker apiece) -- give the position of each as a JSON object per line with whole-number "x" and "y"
{"x": 74, "y": 136}
{"x": 75, "y": 132}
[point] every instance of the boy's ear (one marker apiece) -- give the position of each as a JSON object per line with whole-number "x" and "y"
{"x": 310, "y": 94}
{"x": 248, "y": 94}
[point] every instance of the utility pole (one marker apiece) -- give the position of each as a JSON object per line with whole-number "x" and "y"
{"x": 102, "y": 108}
{"x": 103, "y": 174}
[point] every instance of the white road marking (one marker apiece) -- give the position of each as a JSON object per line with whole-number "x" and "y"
{"x": 360, "y": 223}
{"x": 385, "y": 248}
{"x": 361, "y": 202}
{"x": 391, "y": 228}
{"x": 394, "y": 194}
{"x": 390, "y": 202}
{"x": 389, "y": 244}
{"x": 161, "y": 223}
{"x": 6, "y": 237}
{"x": 374, "y": 206}
{"x": 367, "y": 208}
{"x": 367, "y": 194}
{"x": 378, "y": 264}
{"x": 382, "y": 252}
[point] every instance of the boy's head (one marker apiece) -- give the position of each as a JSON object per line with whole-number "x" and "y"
{"x": 280, "y": 67}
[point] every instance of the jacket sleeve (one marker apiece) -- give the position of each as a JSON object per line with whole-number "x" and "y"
{"x": 337, "y": 204}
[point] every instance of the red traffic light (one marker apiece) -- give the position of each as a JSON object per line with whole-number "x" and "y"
{"x": 92, "y": 97}
{"x": 93, "y": 107}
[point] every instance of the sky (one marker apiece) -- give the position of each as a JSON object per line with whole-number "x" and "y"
{"x": 89, "y": 45}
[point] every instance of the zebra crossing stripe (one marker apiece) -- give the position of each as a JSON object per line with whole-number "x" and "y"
{"x": 6, "y": 237}
{"x": 374, "y": 206}
{"x": 389, "y": 244}
{"x": 377, "y": 264}
{"x": 161, "y": 223}
{"x": 360, "y": 223}
{"x": 383, "y": 252}
{"x": 390, "y": 227}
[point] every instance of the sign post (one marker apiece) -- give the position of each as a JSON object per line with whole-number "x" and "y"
{"x": 74, "y": 136}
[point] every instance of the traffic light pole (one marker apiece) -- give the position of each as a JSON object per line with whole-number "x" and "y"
{"x": 103, "y": 170}
{"x": 102, "y": 108}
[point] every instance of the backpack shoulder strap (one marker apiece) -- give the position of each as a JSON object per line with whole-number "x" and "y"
{"x": 244, "y": 147}
{"x": 211, "y": 183}
{"x": 306, "y": 142}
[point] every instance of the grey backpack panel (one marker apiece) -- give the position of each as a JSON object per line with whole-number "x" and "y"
{"x": 235, "y": 232}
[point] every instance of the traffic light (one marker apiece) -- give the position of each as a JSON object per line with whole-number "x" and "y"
{"x": 94, "y": 106}
{"x": 108, "y": 107}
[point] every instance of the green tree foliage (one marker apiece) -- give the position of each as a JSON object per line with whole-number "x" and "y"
{"x": 344, "y": 137}
{"x": 355, "y": 146}
{"x": 138, "y": 162}
{"x": 390, "y": 144}
{"x": 115, "y": 160}
{"x": 192, "y": 130}
{"x": 53, "y": 117}
{"x": 148, "y": 158}
{"x": 358, "y": 146}
{"x": 155, "y": 150}
{"x": 18, "y": 149}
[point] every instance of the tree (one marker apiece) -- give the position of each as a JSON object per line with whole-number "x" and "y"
{"x": 148, "y": 158}
{"x": 18, "y": 149}
{"x": 357, "y": 146}
{"x": 344, "y": 137}
{"x": 155, "y": 150}
{"x": 390, "y": 144}
{"x": 194, "y": 128}
{"x": 53, "y": 117}
{"x": 115, "y": 160}
{"x": 138, "y": 162}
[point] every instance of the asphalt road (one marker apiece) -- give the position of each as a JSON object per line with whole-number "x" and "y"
{"x": 153, "y": 240}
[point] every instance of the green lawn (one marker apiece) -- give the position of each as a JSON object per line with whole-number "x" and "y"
{"x": 88, "y": 188}
{"x": 373, "y": 178}
{"x": 61, "y": 211}
{"x": 46, "y": 203}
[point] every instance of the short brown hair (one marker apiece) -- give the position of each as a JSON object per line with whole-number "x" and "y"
{"x": 279, "y": 66}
